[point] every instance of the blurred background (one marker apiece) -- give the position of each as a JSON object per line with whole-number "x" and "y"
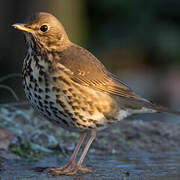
{"x": 138, "y": 40}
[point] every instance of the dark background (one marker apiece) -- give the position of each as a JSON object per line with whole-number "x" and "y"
{"x": 138, "y": 40}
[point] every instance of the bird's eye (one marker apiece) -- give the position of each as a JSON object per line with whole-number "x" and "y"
{"x": 44, "y": 28}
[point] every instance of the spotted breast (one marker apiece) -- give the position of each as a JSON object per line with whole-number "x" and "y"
{"x": 62, "y": 101}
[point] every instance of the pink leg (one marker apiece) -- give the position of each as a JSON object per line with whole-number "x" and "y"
{"x": 71, "y": 163}
{"x": 76, "y": 150}
{"x": 91, "y": 139}
{"x": 79, "y": 167}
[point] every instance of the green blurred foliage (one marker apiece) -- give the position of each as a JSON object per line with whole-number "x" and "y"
{"x": 153, "y": 26}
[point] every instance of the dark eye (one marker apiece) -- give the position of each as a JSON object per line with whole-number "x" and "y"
{"x": 44, "y": 28}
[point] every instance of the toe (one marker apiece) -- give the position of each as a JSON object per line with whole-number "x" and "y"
{"x": 56, "y": 171}
{"x": 68, "y": 171}
{"x": 84, "y": 169}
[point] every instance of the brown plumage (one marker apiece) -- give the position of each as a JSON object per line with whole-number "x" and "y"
{"x": 71, "y": 88}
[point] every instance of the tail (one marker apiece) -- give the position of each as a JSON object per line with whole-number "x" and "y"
{"x": 157, "y": 108}
{"x": 164, "y": 109}
{"x": 132, "y": 103}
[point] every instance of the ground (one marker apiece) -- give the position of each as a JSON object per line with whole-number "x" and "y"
{"x": 23, "y": 131}
{"x": 133, "y": 148}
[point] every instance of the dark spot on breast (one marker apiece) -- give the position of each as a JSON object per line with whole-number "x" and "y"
{"x": 46, "y": 84}
{"x": 61, "y": 112}
{"x": 54, "y": 79}
{"x": 73, "y": 94}
{"x": 47, "y": 97}
{"x": 54, "y": 108}
{"x": 59, "y": 38}
{"x": 36, "y": 57}
{"x": 55, "y": 89}
{"x": 27, "y": 88}
{"x": 65, "y": 91}
{"x": 74, "y": 119}
{"x": 109, "y": 122}
{"x": 48, "y": 112}
{"x": 46, "y": 79}
{"x": 70, "y": 90}
{"x": 45, "y": 101}
{"x": 35, "y": 88}
{"x": 40, "y": 103}
{"x": 54, "y": 112}
{"x": 51, "y": 103}
{"x": 47, "y": 90}
{"x": 84, "y": 109}
{"x": 83, "y": 120}
{"x": 99, "y": 109}
{"x": 84, "y": 126}
{"x": 60, "y": 103}
{"x": 91, "y": 112}
{"x": 57, "y": 96}
{"x": 30, "y": 85}
{"x": 40, "y": 90}
{"x": 99, "y": 125}
{"x": 46, "y": 107}
{"x": 60, "y": 78}
{"x": 90, "y": 127}
{"x": 81, "y": 117}
{"x": 74, "y": 107}
{"x": 61, "y": 121}
{"x": 41, "y": 72}
{"x": 76, "y": 101}
{"x": 69, "y": 97}
{"x": 69, "y": 113}
{"x": 40, "y": 79}
{"x": 78, "y": 124}
{"x": 58, "y": 90}
{"x": 40, "y": 108}
{"x": 65, "y": 122}
{"x": 92, "y": 121}
{"x": 31, "y": 78}
{"x": 76, "y": 113}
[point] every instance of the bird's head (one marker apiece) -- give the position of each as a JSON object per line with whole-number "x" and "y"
{"x": 44, "y": 30}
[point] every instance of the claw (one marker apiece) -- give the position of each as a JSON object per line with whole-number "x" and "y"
{"x": 69, "y": 171}
{"x": 84, "y": 169}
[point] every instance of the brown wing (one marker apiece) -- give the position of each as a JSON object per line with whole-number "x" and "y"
{"x": 89, "y": 71}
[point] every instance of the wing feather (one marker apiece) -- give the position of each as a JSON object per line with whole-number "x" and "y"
{"x": 88, "y": 71}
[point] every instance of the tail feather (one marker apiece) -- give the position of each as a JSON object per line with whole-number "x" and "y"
{"x": 164, "y": 109}
{"x": 138, "y": 104}
{"x": 158, "y": 108}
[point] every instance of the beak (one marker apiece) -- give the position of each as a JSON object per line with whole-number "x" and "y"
{"x": 22, "y": 27}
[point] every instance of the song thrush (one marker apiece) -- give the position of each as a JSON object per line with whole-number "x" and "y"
{"x": 71, "y": 88}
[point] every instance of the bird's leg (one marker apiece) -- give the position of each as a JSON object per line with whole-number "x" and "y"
{"x": 71, "y": 163}
{"x": 78, "y": 167}
{"x": 76, "y": 150}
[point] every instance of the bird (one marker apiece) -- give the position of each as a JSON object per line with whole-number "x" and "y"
{"x": 71, "y": 88}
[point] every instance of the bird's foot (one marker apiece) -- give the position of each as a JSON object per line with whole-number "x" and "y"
{"x": 68, "y": 170}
